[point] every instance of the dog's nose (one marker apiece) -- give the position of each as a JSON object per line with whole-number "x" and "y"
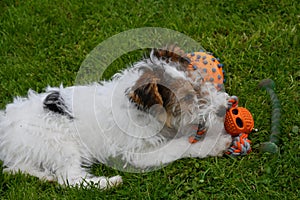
{"x": 221, "y": 111}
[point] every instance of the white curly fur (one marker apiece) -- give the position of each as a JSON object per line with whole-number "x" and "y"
{"x": 105, "y": 125}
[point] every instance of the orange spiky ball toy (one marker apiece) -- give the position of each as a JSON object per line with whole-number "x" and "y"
{"x": 209, "y": 66}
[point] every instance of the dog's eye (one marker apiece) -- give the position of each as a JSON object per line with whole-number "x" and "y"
{"x": 188, "y": 97}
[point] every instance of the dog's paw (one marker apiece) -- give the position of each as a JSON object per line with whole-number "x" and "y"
{"x": 115, "y": 181}
{"x": 106, "y": 183}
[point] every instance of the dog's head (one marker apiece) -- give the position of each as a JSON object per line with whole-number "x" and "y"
{"x": 173, "y": 95}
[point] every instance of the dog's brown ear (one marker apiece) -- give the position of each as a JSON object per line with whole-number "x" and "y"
{"x": 151, "y": 93}
{"x": 145, "y": 93}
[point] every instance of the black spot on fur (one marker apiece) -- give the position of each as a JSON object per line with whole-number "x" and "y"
{"x": 55, "y": 103}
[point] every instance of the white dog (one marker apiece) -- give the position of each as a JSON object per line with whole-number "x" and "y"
{"x": 143, "y": 117}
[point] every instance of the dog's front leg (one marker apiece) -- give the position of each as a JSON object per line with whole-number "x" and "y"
{"x": 169, "y": 152}
{"x": 213, "y": 144}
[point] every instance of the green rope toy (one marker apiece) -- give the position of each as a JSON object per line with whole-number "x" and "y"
{"x": 271, "y": 146}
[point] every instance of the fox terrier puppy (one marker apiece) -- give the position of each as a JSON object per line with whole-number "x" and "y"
{"x": 144, "y": 117}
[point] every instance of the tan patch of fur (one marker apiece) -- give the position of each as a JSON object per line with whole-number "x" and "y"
{"x": 146, "y": 85}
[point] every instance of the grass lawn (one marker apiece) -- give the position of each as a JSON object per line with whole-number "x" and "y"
{"x": 44, "y": 42}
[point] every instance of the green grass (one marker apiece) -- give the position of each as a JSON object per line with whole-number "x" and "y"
{"x": 44, "y": 42}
